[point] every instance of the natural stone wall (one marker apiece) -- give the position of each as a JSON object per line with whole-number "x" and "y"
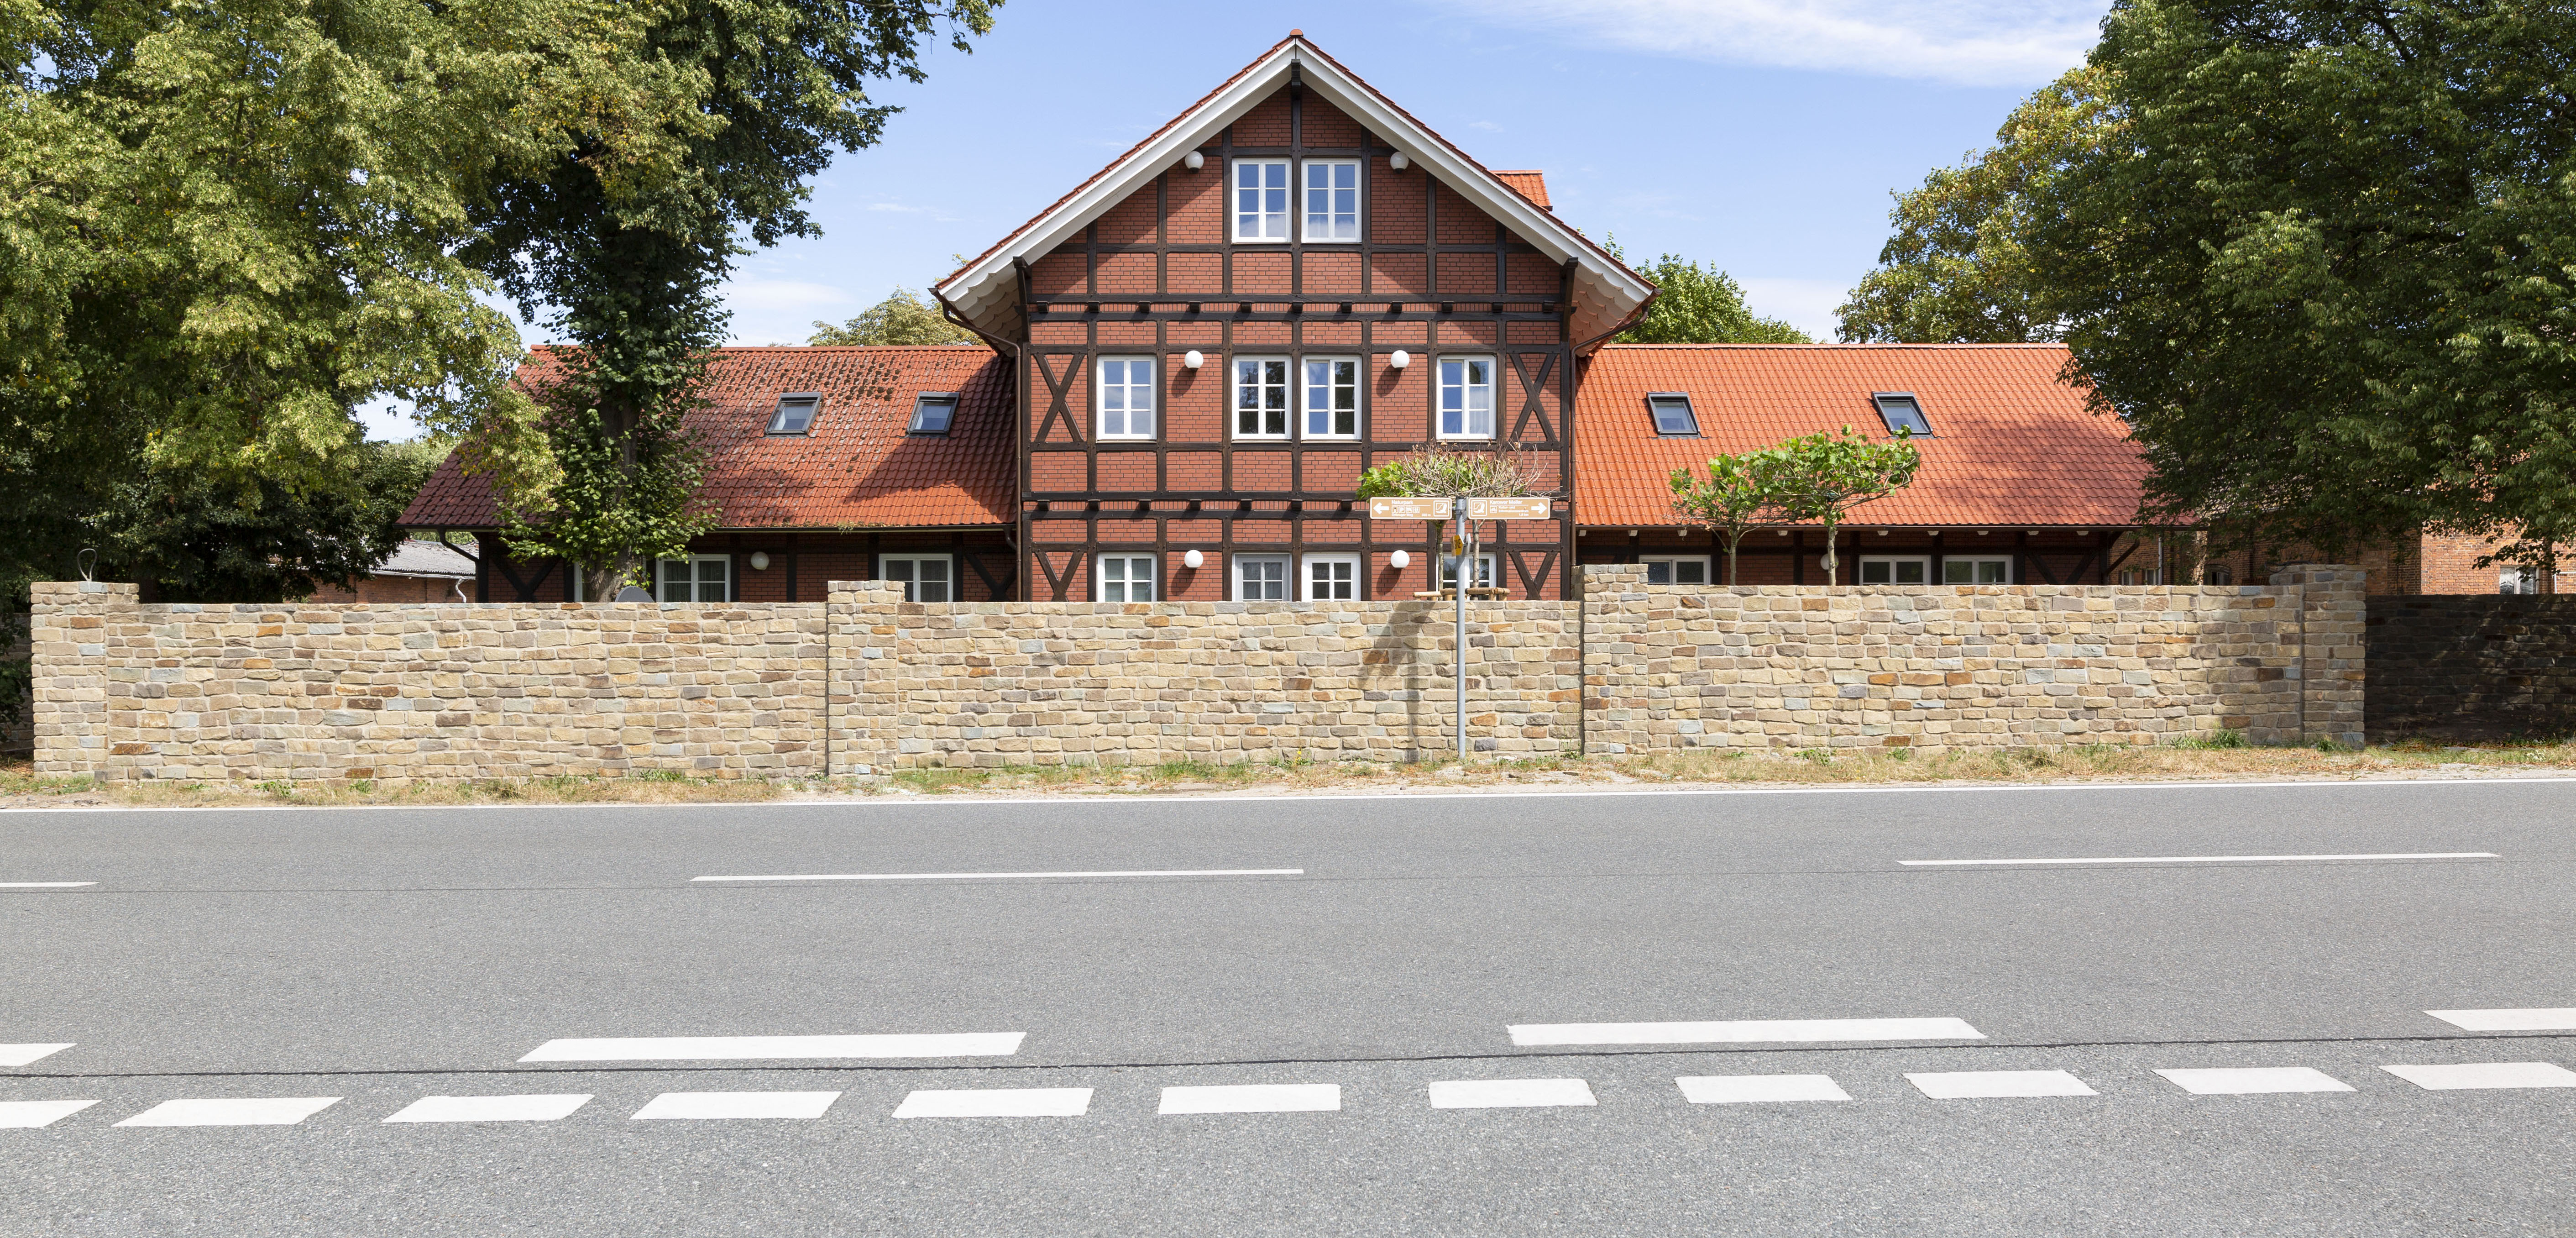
{"x": 2472, "y": 667}
{"x": 1983, "y": 666}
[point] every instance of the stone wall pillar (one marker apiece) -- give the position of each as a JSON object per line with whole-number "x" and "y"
{"x": 79, "y": 689}
{"x": 2334, "y": 619}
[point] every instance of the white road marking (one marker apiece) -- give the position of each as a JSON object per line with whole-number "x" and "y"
{"x": 1509, "y": 1093}
{"x": 772, "y": 1048}
{"x": 996, "y": 1103}
{"x": 44, "y": 885}
{"x": 32, "y": 1114}
{"x": 1142, "y": 872}
{"x": 716, "y": 1105}
{"x": 1976, "y": 1084}
{"x": 1741, "y": 1031}
{"x": 533, "y": 1107}
{"x": 2486, "y": 1075}
{"x": 2214, "y": 859}
{"x": 263, "y": 1111}
{"x": 2560, "y": 1019}
{"x": 1749, "y": 1089}
{"x": 2254, "y": 1080}
{"x": 1254, "y": 1098}
{"x": 20, "y": 1055}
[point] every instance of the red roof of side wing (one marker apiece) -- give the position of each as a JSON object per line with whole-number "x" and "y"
{"x": 857, "y": 467}
{"x": 2011, "y": 445}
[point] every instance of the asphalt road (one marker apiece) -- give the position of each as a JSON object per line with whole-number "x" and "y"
{"x": 382, "y": 956}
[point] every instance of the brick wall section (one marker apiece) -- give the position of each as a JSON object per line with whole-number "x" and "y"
{"x": 865, "y": 683}
{"x": 2472, "y": 667}
{"x": 1960, "y": 666}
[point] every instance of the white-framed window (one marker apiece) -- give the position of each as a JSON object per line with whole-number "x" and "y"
{"x": 1332, "y": 577}
{"x": 1896, "y": 569}
{"x": 2128, "y": 575}
{"x": 1332, "y": 397}
{"x": 2512, "y": 578}
{"x": 1124, "y": 577}
{"x": 1994, "y": 570}
{"x": 925, "y": 578}
{"x": 1484, "y": 573}
{"x": 576, "y": 582}
{"x": 1261, "y": 200}
{"x": 1466, "y": 397}
{"x": 698, "y": 578}
{"x": 1332, "y": 200}
{"x": 1261, "y": 578}
{"x": 1675, "y": 569}
{"x": 1126, "y": 397}
{"x": 1261, "y": 397}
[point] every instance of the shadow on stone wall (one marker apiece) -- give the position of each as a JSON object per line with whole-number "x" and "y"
{"x": 2471, "y": 667}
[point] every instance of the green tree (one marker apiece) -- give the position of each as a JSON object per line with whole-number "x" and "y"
{"x": 1697, "y": 304}
{"x": 1821, "y": 477}
{"x": 1957, "y": 271}
{"x": 2326, "y": 265}
{"x": 902, "y": 318}
{"x": 1739, "y": 493}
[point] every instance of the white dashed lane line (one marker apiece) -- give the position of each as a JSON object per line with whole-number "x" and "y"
{"x": 801, "y": 1106}
{"x": 996, "y": 1103}
{"x": 21, "y": 1055}
{"x": 2254, "y": 1080}
{"x": 540, "y": 1107}
{"x": 776, "y": 1048}
{"x": 1510, "y": 1093}
{"x": 1742, "y": 1031}
{"x": 2210, "y": 859}
{"x": 2486, "y": 1075}
{"x": 1997, "y": 1084}
{"x": 2558, "y": 1019}
{"x": 265, "y": 1111}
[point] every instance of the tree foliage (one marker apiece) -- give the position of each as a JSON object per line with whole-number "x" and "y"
{"x": 1821, "y": 477}
{"x": 2325, "y": 264}
{"x": 902, "y": 318}
{"x": 1697, "y": 304}
{"x": 1435, "y": 472}
{"x": 1740, "y": 493}
{"x": 1957, "y": 270}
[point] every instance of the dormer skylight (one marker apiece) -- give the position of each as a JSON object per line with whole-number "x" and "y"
{"x": 1673, "y": 415}
{"x": 932, "y": 411}
{"x": 795, "y": 413}
{"x": 1902, "y": 413}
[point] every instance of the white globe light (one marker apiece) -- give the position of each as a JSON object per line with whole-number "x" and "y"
{"x": 1194, "y": 161}
{"x": 1400, "y": 560}
{"x": 760, "y": 560}
{"x": 1192, "y": 359}
{"x": 1400, "y": 360}
{"x": 1193, "y": 559}
{"x": 1398, "y": 162}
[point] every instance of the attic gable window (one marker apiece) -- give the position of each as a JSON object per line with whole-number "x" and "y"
{"x": 795, "y": 413}
{"x": 932, "y": 411}
{"x": 1261, "y": 200}
{"x": 1902, "y": 413}
{"x": 1332, "y": 200}
{"x": 1673, "y": 415}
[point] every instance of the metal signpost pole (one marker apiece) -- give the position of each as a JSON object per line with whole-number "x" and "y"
{"x": 1466, "y": 571}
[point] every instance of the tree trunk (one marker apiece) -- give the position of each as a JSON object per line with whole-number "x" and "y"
{"x": 1833, "y": 534}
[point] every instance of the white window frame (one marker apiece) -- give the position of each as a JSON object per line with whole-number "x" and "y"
{"x": 1484, "y": 571}
{"x": 1128, "y": 559}
{"x": 1306, "y": 387}
{"x": 1100, "y": 398}
{"x": 1287, "y": 398}
{"x": 1441, "y": 386}
{"x": 2517, "y": 579}
{"x": 1287, "y": 581}
{"x": 1286, "y": 215}
{"x": 2144, "y": 575}
{"x": 1306, "y": 213}
{"x": 1331, "y": 559}
{"x": 912, "y": 575}
{"x": 1667, "y": 562}
{"x": 661, "y": 584}
{"x": 1860, "y": 572}
{"x": 2005, "y": 560}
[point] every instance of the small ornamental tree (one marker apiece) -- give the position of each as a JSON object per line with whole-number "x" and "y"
{"x": 1739, "y": 493}
{"x": 1434, "y": 473}
{"x": 622, "y": 498}
{"x": 1824, "y": 476}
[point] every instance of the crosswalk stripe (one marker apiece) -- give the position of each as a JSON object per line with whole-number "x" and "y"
{"x": 1254, "y": 1098}
{"x": 262, "y": 1111}
{"x": 2254, "y": 1080}
{"x": 1752, "y": 1089}
{"x": 20, "y": 1055}
{"x": 775, "y": 1048}
{"x": 2558, "y": 1019}
{"x": 530, "y": 1107}
{"x": 996, "y": 1103}
{"x": 1741, "y": 1031}
{"x": 33, "y": 1114}
{"x": 1510, "y": 1093}
{"x": 1986, "y": 1084}
{"x": 2457, "y": 1077}
{"x": 723, "y": 1105}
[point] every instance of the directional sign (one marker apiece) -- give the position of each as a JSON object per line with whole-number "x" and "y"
{"x": 1409, "y": 509}
{"x": 1509, "y": 509}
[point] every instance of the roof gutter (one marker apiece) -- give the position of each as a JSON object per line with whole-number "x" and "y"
{"x": 1000, "y": 345}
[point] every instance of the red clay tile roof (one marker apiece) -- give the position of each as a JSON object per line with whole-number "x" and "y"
{"x": 2012, "y": 446}
{"x": 1530, "y": 184}
{"x": 856, "y": 468}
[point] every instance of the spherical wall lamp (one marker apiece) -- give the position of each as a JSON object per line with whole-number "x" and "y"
{"x": 760, "y": 560}
{"x": 1400, "y": 360}
{"x": 1398, "y": 162}
{"x": 1400, "y": 560}
{"x": 1193, "y": 559}
{"x": 1193, "y": 359}
{"x": 1194, "y": 161}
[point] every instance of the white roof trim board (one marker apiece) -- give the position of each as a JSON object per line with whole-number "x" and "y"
{"x": 987, "y": 290}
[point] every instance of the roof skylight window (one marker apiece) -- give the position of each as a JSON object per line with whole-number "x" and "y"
{"x": 932, "y": 411}
{"x": 1673, "y": 415}
{"x": 795, "y": 413}
{"x": 1902, "y": 413}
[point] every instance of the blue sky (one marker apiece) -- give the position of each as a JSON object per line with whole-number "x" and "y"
{"x": 1760, "y": 135}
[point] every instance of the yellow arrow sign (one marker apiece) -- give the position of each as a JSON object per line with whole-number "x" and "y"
{"x": 1408, "y": 509}
{"x": 1538, "y": 508}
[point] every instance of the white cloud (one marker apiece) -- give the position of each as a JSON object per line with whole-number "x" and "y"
{"x": 1967, "y": 42}
{"x": 1489, "y": 127}
{"x": 1807, "y": 304}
